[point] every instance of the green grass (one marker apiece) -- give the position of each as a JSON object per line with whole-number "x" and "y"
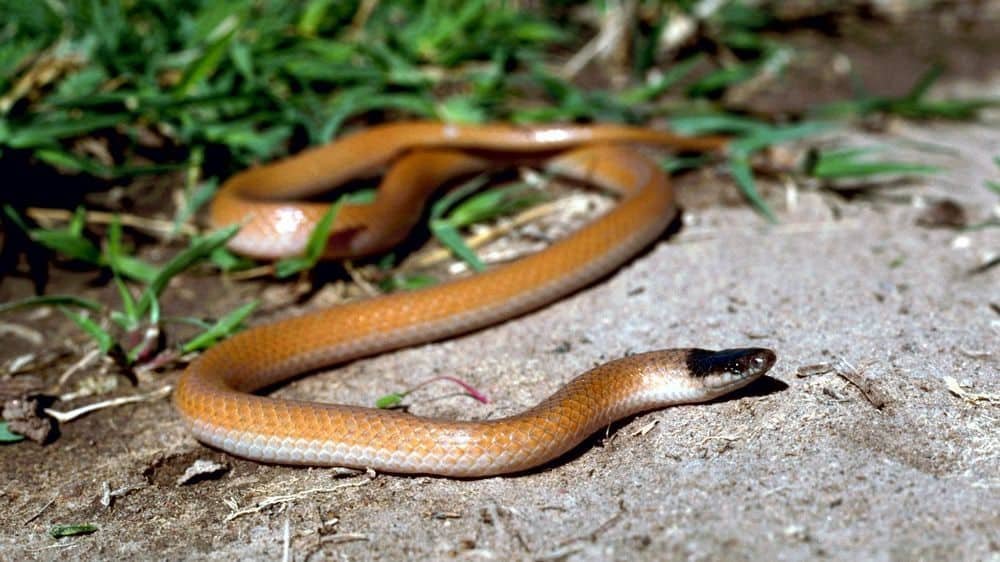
{"x": 197, "y": 90}
{"x": 63, "y": 531}
{"x": 395, "y": 399}
{"x": 249, "y": 76}
{"x": 913, "y": 105}
{"x": 73, "y": 243}
{"x": 249, "y": 81}
{"x": 8, "y": 436}
{"x": 859, "y": 162}
{"x": 114, "y": 328}
{"x": 463, "y": 207}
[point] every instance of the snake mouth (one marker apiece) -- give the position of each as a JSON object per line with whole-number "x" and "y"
{"x": 729, "y": 369}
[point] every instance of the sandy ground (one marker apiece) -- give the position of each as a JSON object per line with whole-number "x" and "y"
{"x": 854, "y": 448}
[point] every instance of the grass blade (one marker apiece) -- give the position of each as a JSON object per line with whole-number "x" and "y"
{"x": 739, "y": 167}
{"x": 68, "y": 244}
{"x": 694, "y": 125}
{"x": 857, "y": 163}
{"x": 223, "y": 328}
{"x": 760, "y": 137}
{"x": 8, "y": 436}
{"x": 51, "y": 300}
{"x": 203, "y": 67}
{"x": 45, "y": 134}
{"x": 129, "y": 318}
{"x": 199, "y": 250}
{"x": 62, "y": 531}
{"x": 69, "y": 162}
{"x": 721, "y": 79}
{"x": 315, "y": 246}
{"x": 449, "y": 236}
{"x": 494, "y": 203}
{"x": 446, "y": 232}
{"x": 390, "y": 400}
{"x": 197, "y": 197}
{"x": 766, "y": 136}
{"x": 673, "y": 75}
{"x": 103, "y": 338}
{"x": 410, "y": 282}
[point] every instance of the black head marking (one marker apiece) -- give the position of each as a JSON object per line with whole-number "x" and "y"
{"x": 747, "y": 361}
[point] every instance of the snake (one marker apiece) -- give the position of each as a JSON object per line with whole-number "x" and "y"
{"x": 218, "y": 394}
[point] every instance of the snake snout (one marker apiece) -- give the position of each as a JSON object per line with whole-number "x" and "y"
{"x": 758, "y": 361}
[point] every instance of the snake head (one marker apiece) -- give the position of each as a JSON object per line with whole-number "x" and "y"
{"x": 729, "y": 369}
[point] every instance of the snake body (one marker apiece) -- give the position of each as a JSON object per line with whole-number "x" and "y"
{"x": 214, "y": 395}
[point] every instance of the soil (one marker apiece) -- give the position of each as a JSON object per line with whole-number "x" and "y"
{"x": 876, "y": 436}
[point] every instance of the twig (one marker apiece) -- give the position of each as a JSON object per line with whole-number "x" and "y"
{"x": 813, "y": 370}
{"x": 361, "y": 16}
{"x": 32, "y": 336}
{"x": 975, "y": 353}
{"x": 156, "y": 226}
{"x": 83, "y": 362}
{"x": 89, "y": 386}
{"x": 560, "y": 552}
{"x": 59, "y": 545}
{"x": 16, "y": 364}
{"x": 609, "y": 41}
{"x": 108, "y": 496}
{"x": 850, "y": 376}
{"x": 355, "y": 274}
{"x": 63, "y": 417}
{"x": 984, "y": 267}
{"x": 286, "y": 550}
{"x": 971, "y": 397}
{"x": 39, "y": 512}
{"x": 279, "y": 500}
{"x": 344, "y": 537}
{"x": 644, "y": 429}
{"x": 727, "y": 438}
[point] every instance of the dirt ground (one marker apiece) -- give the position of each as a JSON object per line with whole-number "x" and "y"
{"x": 876, "y": 437}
